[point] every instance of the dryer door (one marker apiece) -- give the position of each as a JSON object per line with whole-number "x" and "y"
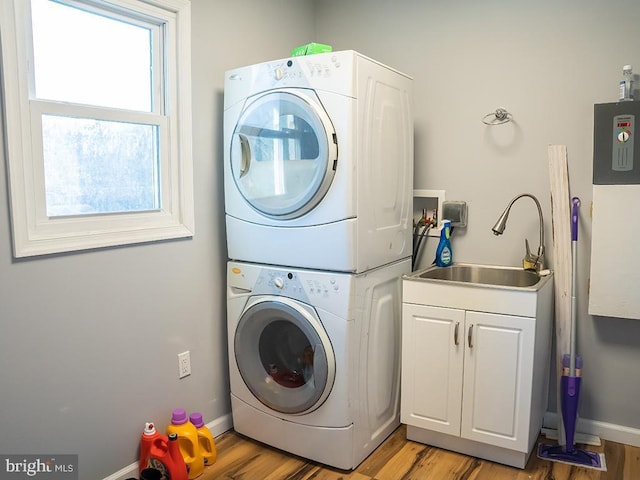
{"x": 284, "y": 354}
{"x": 284, "y": 153}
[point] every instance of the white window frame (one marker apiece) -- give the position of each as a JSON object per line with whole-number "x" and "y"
{"x": 34, "y": 233}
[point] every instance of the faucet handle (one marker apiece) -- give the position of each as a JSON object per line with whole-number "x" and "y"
{"x": 531, "y": 261}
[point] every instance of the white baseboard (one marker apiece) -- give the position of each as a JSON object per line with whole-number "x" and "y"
{"x": 217, "y": 428}
{"x": 579, "y": 437}
{"x": 130, "y": 471}
{"x": 220, "y": 425}
{"x": 606, "y": 431}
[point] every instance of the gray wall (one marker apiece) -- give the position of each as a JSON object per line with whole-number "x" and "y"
{"x": 89, "y": 340}
{"x": 547, "y": 62}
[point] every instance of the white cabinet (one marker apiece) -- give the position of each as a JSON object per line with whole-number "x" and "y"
{"x": 475, "y": 380}
{"x": 498, "y": 377}
{"x": 432, "y": 355}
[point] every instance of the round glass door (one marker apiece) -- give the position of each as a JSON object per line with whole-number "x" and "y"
{"x": 284, "y": 153}
{"x": 284, "y": 355}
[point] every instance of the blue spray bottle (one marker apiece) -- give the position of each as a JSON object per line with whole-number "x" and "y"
{"x": 444, "y": 256}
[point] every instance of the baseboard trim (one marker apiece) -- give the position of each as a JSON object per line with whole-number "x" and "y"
{"x": 220, "y": 425}
{"x": 604, "y": 430}
{"x": 217, "y": 427}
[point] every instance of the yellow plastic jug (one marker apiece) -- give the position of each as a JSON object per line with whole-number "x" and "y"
{"x": 188, "y": 441}
{"x": 205, "y": 439}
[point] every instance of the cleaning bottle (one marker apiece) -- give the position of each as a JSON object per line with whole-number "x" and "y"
{"x": 626, "y": 84}
{"x": 153, "y": 447}
{"x": 188, "y": 441}
{"x": 444, "y": 256}
{"x": 179, "y": 468}
{"x": 205, "y": 439}
{"x": 158, "y": 452}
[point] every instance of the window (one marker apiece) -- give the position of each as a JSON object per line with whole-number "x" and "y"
{"x": 97, "y": 122}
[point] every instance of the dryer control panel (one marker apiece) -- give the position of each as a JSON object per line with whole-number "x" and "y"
{"x": 332, "y": 71}
{"x": 304, "y": 67}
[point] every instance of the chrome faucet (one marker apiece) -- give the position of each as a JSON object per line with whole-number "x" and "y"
{"x": 530, "y": 261}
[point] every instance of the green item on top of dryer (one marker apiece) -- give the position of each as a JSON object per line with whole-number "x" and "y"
{"x": 311, "y": 49}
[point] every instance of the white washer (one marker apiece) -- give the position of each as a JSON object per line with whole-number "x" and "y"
{"x": 319, "y": 147}
{"x": 314, "y": 358}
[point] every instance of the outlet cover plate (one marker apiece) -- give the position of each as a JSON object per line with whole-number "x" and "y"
{"x": 184, "y": 364}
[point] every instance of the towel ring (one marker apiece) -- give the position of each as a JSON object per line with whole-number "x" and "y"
{"x": 500, "y": 116}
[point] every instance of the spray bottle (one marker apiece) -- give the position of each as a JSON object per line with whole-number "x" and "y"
{"x": 444, "y": 256}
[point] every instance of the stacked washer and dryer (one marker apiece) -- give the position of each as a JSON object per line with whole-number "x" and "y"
{"x": 318, "y": 175}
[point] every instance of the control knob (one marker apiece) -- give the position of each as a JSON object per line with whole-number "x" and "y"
{"x": 623, "y": 136}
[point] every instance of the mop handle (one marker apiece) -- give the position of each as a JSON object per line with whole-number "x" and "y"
{"x": 574, "y": 218}
{"x": 574, "y": 279}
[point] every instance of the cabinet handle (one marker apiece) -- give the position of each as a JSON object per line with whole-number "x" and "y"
{"x": 469, "y": 336}
{"x": 455, "y": 334}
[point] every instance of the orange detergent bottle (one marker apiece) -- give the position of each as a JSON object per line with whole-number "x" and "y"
{"x": 205, "y": 439}
{"x": 162, "y": 453}
{"x": 188, "y": 442}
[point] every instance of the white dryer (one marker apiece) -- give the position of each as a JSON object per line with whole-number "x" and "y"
{"x": 318, "y": 162}
{"x": 314, "y": 358}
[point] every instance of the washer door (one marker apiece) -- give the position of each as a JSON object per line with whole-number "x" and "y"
{"x": 284, "y": 355}
{"x": 284, "y": 153}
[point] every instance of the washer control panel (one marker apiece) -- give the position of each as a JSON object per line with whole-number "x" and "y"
{"x": 297, "y": 284}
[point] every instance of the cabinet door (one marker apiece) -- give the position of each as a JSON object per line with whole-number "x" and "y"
{"x": 498, "y": 379}
{"x": 432, "y": 355}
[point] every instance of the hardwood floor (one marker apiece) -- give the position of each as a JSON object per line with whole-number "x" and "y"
{"x": 240, "y": 458}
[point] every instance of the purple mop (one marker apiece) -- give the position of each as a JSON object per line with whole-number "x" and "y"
{"x": 570, "y": 380}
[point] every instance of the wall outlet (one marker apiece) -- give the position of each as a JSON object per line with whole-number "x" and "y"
{"x": 184, "y": 364}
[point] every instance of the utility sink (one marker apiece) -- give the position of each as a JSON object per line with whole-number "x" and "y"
{"x": 483, "y": 288}
{"x": 481, "y": 275}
